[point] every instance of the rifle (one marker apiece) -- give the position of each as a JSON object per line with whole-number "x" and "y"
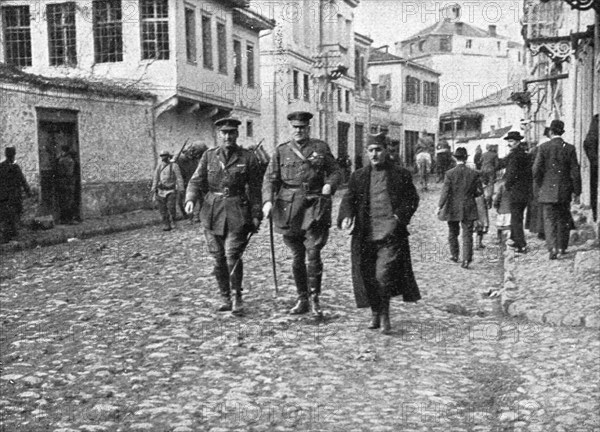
{"x": 181, "y": 150}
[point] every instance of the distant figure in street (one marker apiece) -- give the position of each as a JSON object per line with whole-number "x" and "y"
{"x": 167, "y": 182}
{"x": 590, "y": 146}
{"x": 228, "y": 177}
{"x": 65, "y": 185}
{"x": 188, "y": 162}
{"x": 482, "y": 223}
{"x": 489, "y": 166}
{"x": 556, "y": 172}
{"x": 457, "y": 206}
{"x": 502, "y": 206}
{"x": 534, "y": 217}
{"x": 298, "y": 186}
{"x": 378, "y": 205}
{"x": 443, "y": 159}
{"x": 12, "y": 185}
{"x": 518, "y": 182}
{"x": 478, "y": 158}
{"x": 423, "y": 160}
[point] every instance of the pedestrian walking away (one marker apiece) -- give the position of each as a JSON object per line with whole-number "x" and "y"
{"x": 12, "y": 185}
{"x": 489, "y": 166}
{"x": 423, "y": 160}
{"x": 443, "y": 159}
{"x": 228, "y": 177}
{"x": 519, "y": 183}
{"x": 457, "y": 206}
{"x": 167, "y": 182}
{"x": 478, "y": 158}
{"x": 502, "y": 206}
{"x": 377, "y": 207}
{"x": 301, "y": 178}
{"x": 556, "y": 172}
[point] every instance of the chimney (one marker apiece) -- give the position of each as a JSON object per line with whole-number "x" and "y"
{"x": 459, "y": 26}
{"x": 492, "y": 30}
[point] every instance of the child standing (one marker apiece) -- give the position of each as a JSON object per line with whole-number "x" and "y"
{"x": 502, "y": 206}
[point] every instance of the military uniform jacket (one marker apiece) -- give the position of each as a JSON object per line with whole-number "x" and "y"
{"x": 294, "y": 184}
{"x": 556, "y": 172}
{"x": 230, "y": 187}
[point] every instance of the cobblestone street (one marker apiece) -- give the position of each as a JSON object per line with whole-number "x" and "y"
{"x": 119, "y": 333}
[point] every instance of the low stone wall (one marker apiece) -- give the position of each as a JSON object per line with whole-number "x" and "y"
{"x": 100, "y": 199}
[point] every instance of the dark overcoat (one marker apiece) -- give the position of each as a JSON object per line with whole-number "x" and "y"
{"x": 556, "y": 172}
{"x": 457, "y": 201}
{"x": 355, "y": 204}
{"x": 519, "y": 179}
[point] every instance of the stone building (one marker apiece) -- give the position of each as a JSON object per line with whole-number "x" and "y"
{"x": 474, "y": 62}
{"x": 563, "y": 61}
{"x": 412, "y": 92}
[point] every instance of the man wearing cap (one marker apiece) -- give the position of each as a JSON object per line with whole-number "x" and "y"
{"x": 167, "y": 182}
{"x": 300, "y": 180}
{"x": 518, "y": 184}
{"x": 457, "y": 206}
{"x": 556, "y": 172}
{"x": 378, "y": 205}
{"x": 12, "y": 183}
{"x": 443, "y": 159}
{"x": 228, "y": 177}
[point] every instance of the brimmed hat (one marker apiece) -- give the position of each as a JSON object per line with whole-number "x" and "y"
{"x": 461, "y": 153}
{"x": 228, "y": 123}
{"x": 514, "y": 135}
{"x": 378, "y": 139}
{"x": 299, "y": 118}
{"x": 10, "y": 151}
{"x": 557, "y": 127}
{"x": 165, "y": 153}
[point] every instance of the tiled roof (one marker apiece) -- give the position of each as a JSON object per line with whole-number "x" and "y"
{"x": 381, "y": 56}
{"x": 501, "y": 97}
{"x": 14, "y": 75}
{"x": 449, "y": 28}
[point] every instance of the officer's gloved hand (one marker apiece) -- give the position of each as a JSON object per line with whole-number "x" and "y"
{"x": 347, "y": 223}
{"x": 326, "y": 189}
{"x": 267, "y": 209}
{"x": 189, "y": 207}
{"x": 256, "y": 223}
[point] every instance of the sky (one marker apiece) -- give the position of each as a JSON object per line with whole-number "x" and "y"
{"x": 389, "y": 21}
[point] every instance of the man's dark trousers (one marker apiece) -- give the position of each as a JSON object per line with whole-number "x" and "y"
{"x": 557, "y": 225}
{"x": 517, "y": 233}
{"x": 467, "y": 239}
{"x": 307, "y": 266}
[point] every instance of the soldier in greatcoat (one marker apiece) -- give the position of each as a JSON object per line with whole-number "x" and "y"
{"x": 228, "y": 177}
{"x": 378, "y": 205}
{"x": 300, "y": 180}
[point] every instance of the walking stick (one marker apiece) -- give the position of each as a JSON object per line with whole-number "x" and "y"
{"x": 273, "y": 265}
{"x": 239, "y": 259}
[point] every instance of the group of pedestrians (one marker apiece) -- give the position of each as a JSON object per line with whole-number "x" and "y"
{"x": 548, "y": 178}
{"x": 295, "y": 193}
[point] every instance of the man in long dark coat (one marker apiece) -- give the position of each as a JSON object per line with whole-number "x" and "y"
{"x": 12, "y": 183}
{"x": 379, "y": 203}
{"x": 556, "y": 172}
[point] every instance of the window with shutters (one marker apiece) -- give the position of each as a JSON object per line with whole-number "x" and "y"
{"x": 306, "y": 88}
{"x": 222, "y": 47}
{"x": 250, "y": 65}
{"x": 237, "y": 62}
{"x": 207, "y": 55}
{"x": 155, "y": 29}
{"x": 190, "y": 34}
{"x": 108, "y": 31}
{"x": 62, "y": 43}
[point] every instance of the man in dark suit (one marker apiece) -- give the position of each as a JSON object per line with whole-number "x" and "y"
{"x": 228, "y": 177}
{"x": 457, "y": 206}
{"x": 519, "y": 182}
{"x": 556, "y": 172}
{"x": 379, "y": 203}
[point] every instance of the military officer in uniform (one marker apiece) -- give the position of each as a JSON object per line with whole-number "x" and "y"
{"x": 228, "y": 177}
{"x": 300, "y": 180}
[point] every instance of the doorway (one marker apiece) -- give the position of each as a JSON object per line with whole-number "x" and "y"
{"x": 55, "y": 129}
{"x": 359, "y": 134}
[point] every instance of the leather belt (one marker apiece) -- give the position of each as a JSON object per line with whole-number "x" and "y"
{"x": 303, "y": 187}
{"x": 226, "y": 192}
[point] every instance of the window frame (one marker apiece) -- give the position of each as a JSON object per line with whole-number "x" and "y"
{"x": 106, "y": 51}
{"x": 238, "y": 78}
{"x": 65, "y": 32}
{"x": 222, "y": 50}
{"x": 250, "y": 64}
{"x": 191, "y": 47}
{"x": 207, "y": 41}
{"x": 154, "y": 31}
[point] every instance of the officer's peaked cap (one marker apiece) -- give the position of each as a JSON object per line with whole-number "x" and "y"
{"x": 228, "y": 123}
{"x": 299, "y": 118}
{"x": 378, "y": 139}
{"x": 165, "y": 153}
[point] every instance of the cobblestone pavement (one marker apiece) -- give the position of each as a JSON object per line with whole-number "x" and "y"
{"x": 118, "y": 333}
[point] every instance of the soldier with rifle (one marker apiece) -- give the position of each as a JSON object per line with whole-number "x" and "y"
{"x": 228, "y": 177}
{"x": 300, "y": 180}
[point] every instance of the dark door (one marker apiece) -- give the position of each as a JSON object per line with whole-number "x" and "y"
{"x": 359, "y": 150}
{"x": 52, "y": 135}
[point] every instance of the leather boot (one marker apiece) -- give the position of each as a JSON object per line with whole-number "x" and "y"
{"x": 386, "y": 327}
{"x": 238, "y": 304}
{"x": 235, "y": 280}
{"x": 222, "y": 276}
{"x": 375, "y": 319}
{"x": 300, "y": 278}
{"x": 314, "y": 286}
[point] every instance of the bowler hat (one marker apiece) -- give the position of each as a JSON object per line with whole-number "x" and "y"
{"x": 557, "y": 127}
{"x": 461, "y": 153}
{"x": 299, "y": 118}
{"x": 228, "y": 123}
{"x": 514, "y": 135}
{"x": 10, "y": 151}
{"x": 165, "y": 153}
{"x": 378, "y": 139}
